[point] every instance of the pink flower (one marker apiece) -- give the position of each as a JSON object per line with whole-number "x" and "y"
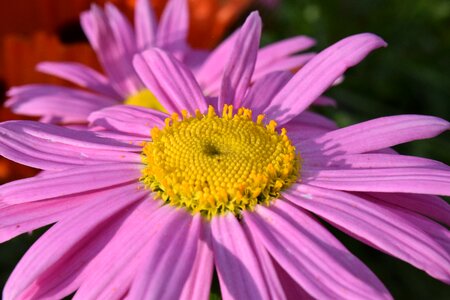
{"x": 154, "y": 219}
{"x": 116, "y": 42}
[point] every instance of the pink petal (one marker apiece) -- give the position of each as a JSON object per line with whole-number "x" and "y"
{"x": 69, "y": 181}
{"x": 282, "y": 49}
{"x": 51, "y": 266}
{"x": 319, "y": 74}
{"x": 289, "y": 63}
{"x": 272, "y": 280}
{"x": 145, "y": 24}
{"x": 239, "y": 69}
{"x": 128, "y": 119}
{"x": 420, "y": 180}
{"x": 110, "y": 274}
{"x": 53, "y": 101}
{"x": 28, "y": 216}
{"x": 240, "y": 274}
{"x": 369, "y": 161}
{"x": 113, "y": 55}
{"x": 385, "y": 228}
{"x": 210, "y": 73}
{"x": 308, "y": 125}
{"x": 170, "y": 260}
{"x": 170, "y": 81}
{"x": 198, "y": 284}
{"x": 261, "y": 93}
{"x": 81, "y": 75}
{"x": 52, "y": 147}
{"x": 122, "y": 30}
{"x": 136, "y": 139}
{"x": 312, "y": 119}
{"x": 311, "y": 255}
{"x": 376, "y": 134}
{"x": 430, "y": 206}
{"x": 173, "y": 26}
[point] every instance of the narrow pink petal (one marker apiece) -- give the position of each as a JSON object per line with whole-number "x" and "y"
{"x": 319, "y": 74}
{"x": 240, "y": 274}
{"x": 128, "y": 119}
{"x": 28, "y": 216}
{"x": 198, "y": 284}
{"x": 261, "y": 93}
{"x": 79, "y": 74}
{"x": 173, "y": 26}
{"x": 58, "y": 257}
{"x": 145, "y": 24}
{"x": 383, "y": 227}
{"x": 312, "y": 119}
{"x": 49, "y": 100}
{"x": 69, "y": 181}
{"x": 430, "y": 206}
{"x": 376, "y": 134}
{"x": 301, "y": 131}
{"x": 112, "y": 53}
{"x": 308, "y": 125}
{"x": 136, "y": 139}
{"x": 419, "y": 180}
{"x": 210, "y": 73}
{"x": 122, "y": 30}
{"x": 52, "y": 147}
{"x": 369, "y": 161}
{"x": 239, "y": 69}
{"x": 272, "y": 281}
{"x": 170, "y": 81}
{"x": 282, "y": 49}
{"x": 170, "y": 260}
{"x": 110, "y": 274}
{"x": 290, "y": 63}
{"x": 107, "y": 278}
{"x": 311, "y": 255}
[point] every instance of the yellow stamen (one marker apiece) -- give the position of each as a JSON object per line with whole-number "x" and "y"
{"x": 145, "y": 98}
{"x": 213, "y": 165}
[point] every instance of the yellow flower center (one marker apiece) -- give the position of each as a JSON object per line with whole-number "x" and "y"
{"x": 145, "y": 98}
{"x": 213, "y": 165}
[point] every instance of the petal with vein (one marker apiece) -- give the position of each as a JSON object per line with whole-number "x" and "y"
{"x": 50, "y": 147}
{"x": 239, "y": 69}
{"x": 50, "y": 100}
{"x": 170, "y": 260}
{"x": 380, "y": 226}
{"x": 68, "y": 182}
{"x": 376, "y": 134}
{"x": 145, "y": 24}
{"x": 128, "y": 119}
{"x": 59, "y": 256}
{"x": 170, "y": 81}
{"x": 79, "y": 74}
{"x": 240, "y": 274}
{"x": 319, "y": 74}
{"x": 314, "y": 258}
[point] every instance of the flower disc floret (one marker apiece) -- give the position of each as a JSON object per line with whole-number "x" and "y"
{"x": 212, "y": 164}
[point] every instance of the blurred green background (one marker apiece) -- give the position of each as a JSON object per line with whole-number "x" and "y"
{"x": 410, "y": 76}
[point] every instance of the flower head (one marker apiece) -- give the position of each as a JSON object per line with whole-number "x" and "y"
{"x": 114, "y": 238}
{"x": 116, "y": 42}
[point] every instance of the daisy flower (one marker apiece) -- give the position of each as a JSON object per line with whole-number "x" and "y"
{"x": 235, "y": 190}
{"x": 115, "y": 43}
